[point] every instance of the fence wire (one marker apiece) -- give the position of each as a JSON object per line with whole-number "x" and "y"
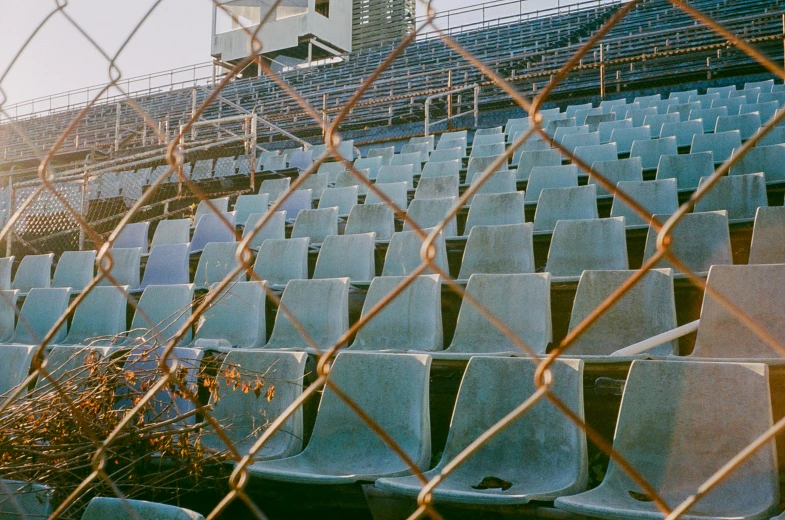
{"x": 102, "y": 421}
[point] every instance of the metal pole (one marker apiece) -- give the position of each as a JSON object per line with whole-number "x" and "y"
{"x": 602, "y": 71}
{"x": 193, "y": 113}
{"x": 83, "y": 209}
{"x": 783, "y": 37}
{"x": 449, "y": 98}
{"x": 427, "y": 117}
{"x": 117, "y": 130}
{"x": 252, "y": 151}
{"x": 477, "y": 105}
{"x": 12, "y": 198}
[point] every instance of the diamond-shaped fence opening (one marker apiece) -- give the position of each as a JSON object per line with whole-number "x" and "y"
{"x": 500, "y": 262}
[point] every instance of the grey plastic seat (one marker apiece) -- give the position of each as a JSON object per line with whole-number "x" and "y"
{"x": 493, "y": 209}
{"x": 301, "y": 159}
{"x": 316, "y": 182}
{"x": 487, "y": 150}
{"x": 414, "y": 159}
{"x": 764, "y": 86}
{"x": 7, "y": 314}
{"x": 427, "y": 213}
{"x": 429, "y": 140}
{"x": 651, "y": 150}
{"x": 625, "y": 138}
{"x": 616, "y": 171}
{"x": 274, "y": 163}
{"x": 344, "y": 199}
{"x": 606, "y": 128}
{"x": 104, "y": 508}
{"x": 349, "y": 256}
{"x": 709, "y": 117}
{"x": 403, "y": 254}
{"x": 221, "y": 206}
{"x": 530, "y": 159}
{"x": 397, "y": 192}
{"x": 499, "y": 182}
{"x": 480, "y": 164}
{"x": 320, "y": 307}
{"x": 346, "y": 179}
{"x": 574, "y": 141}
{"x": 371, "y": 218}
{"x": 740, "y": 195}
{"x": 596, "y": 153}
{"x": 34, "y": 271}
{"x": 542, "y": 454}
{"x": 133, "y": 235}
{"x": 755, "y": 290}
{"x": 575, "y": 203}
{"x": 774, "y": 136}
{"x": 296, "y": 201}
{"x": 6, "y": 263}
{"x": 162, "y": 310}
{"x": 343, "y": 449}
{"x": 398, "y": 173}
{"x": 274, "y": 228}
{"x": 687, "y": 169}
{"x": 583, "y": 113}
{"x": 663, "y": 105}
{"x": 580, "y": 245}
{"x": 656, "y": 197}
{"x": 684, "y": 131}
{"x": 316, "y": 224}
{"x": 212, "y": 228}
{"x": 40, "y": 312}
{"x": 447, "y": 155}
{"x": 227, "y": 166}
{"x": 746, "y": 124}
{"x": 99, "y": 318}
{"x": 721, "y": 144}
{"x": 440, "y": 169}
{"x": 765, "y": 110}
{"x": 765, "y": 159}
{"x": 370, "y": 163}
{"x": 768, "y": 236}
{"x": 748, "y": 95}
{"x": 15, "y": 361}
{"x": 260, "y": 160}
{"x": 438, "y": 187}
{"x": 332, "y": 169}
{"x": 682, "y": 96}
{"x": 75, "y": 270}
{"x": 203, "y": 169}
{"x": 216, "y": 262}
{"x": 667, "y": 410}
{"x": 561, "y": 132}
{"x": 235, "y": 319}
{"x": 279, "y": 261}
{"x": 248, "y": 415}
{"x": 247, "y": 205}
{"x": 637, "y": 116}
{"x": 483, "y": 139}
{"x": 385, "y": 153}
{"x": 411, "y": 321}
{"x": 521, "y": 301}
{"x": 274, "y": 188}
{"x": 176, "y": 231}
{"x": 646, "y": 310}
{"x": 167, "y": 265}
{"x": 724, "y": 92}
{"x": 125, "y": 267}
{"x": 26, "y": 500}
{"x": 504, "y": 249}
{"x": 552, "y": 125}
{"x": 593, "y": 121}
{"x": 700, "y": 240}
{"x": 684, "y": 108}
{"x": 544, "y": 177}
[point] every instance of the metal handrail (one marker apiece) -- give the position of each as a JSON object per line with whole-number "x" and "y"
{"x": 429, "y": 100}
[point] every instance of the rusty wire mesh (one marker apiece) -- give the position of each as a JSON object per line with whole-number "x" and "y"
{"x": 86, "y": 205}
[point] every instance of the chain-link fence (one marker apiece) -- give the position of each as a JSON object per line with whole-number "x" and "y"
{"x": 484, "y": 272}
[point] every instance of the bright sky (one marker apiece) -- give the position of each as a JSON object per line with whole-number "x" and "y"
{"x": 176, "y": 34}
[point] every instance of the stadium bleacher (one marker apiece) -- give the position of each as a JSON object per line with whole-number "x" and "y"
{"x": 540, "y": 245}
